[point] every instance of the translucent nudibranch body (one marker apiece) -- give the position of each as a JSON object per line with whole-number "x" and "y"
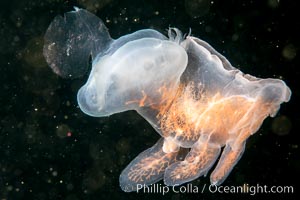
{"x": 191, "y": 95}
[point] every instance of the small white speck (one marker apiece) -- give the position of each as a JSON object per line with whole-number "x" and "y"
{"x": 54, "y": 173}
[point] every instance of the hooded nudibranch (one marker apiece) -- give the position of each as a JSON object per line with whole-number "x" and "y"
{"x": 191, "y": 95}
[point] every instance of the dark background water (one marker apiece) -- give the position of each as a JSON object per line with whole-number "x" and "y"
{"x": 50, "y": 150}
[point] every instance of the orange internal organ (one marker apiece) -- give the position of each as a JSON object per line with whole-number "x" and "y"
{"x": 195, "y": 113}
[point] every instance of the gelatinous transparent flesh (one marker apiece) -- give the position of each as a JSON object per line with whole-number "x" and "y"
{"x": 70, "y": 40}
{"x": 197, "y": 163}
{"x": 115, "y": 82}
{"x": 147, "y": 168}
{"x": 185, "y": 89}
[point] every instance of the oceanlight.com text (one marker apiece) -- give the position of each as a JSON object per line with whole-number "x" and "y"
{"x": 251, "y": 189}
